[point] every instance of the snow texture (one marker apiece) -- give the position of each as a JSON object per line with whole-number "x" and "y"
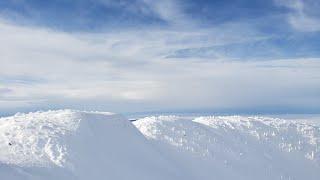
{"x": 235, "y": 147}
{"x": 68, "y": 145}
{"x": 77, "y": 145}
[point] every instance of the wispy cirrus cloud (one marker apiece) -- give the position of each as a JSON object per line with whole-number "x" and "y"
{"x": 304, "y": 14}
{"x": 128, "y": 69}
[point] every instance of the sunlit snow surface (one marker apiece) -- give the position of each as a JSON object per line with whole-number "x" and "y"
{"x": 37, "y": 139}
{"x": 77, "y": 145}
{"x": 237, "y": 147}
{"x": 67, "y": 144}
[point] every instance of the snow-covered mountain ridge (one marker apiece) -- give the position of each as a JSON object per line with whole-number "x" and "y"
{"x": 238, "y": 147}
{"x": 78, "y": 145}
{"x": 68, "y": 144}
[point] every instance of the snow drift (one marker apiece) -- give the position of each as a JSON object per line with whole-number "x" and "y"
{"x": 70, "y": 145}
{"x": 235, "y": 147}
{"x": 75, "y": 145}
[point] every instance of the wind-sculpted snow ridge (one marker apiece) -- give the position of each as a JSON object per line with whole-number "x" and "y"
{"x": 35, "y": 139}
{"x": 77, "y": 145}
{"x": 68, "y": 144}
{"x": 236, "y": 147}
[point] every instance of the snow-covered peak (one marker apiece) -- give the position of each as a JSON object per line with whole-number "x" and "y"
{"x": 69, "y": 144}
{"x": 238, "y": 147}
{"x": 79, "y": 145}
{"x": 40, "y": 138}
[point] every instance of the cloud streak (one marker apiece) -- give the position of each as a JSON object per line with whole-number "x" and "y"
{"x": 128, "y": 69}
{"x": 303, "y": 16}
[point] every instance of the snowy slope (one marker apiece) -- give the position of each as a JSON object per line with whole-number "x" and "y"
{"x": 68, "y": 145}
{"x": 75, "y": 145}
{"x": 235, "y": 147}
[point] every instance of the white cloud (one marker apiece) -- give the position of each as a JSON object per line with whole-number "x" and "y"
{"x": 304, "y": 23}
{"x": 169, "y": 11}
{"x": 302, "y": 16}
{"x": 127, "y": 71}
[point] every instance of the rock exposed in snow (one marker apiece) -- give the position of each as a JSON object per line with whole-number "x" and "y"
{"x": 235, "y": 147}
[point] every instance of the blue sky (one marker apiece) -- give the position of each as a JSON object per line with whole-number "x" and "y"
{"x": 171, "y": 55}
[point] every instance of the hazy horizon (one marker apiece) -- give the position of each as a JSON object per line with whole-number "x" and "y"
{"x": 160, "y": 56}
